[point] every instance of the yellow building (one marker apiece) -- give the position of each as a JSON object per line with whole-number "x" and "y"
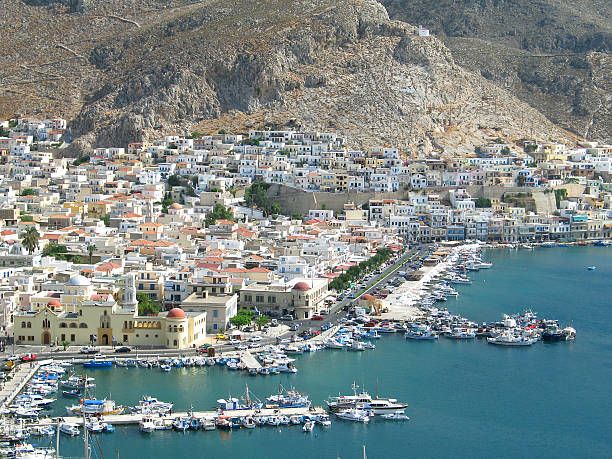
{"x": 83, "y": 317}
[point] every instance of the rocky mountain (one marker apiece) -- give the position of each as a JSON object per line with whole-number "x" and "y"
{"x": 124, "y": 71}
{"x": 552, "y": 54}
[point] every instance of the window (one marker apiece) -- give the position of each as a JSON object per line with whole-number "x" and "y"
{"x": 214, "y": 326}
{"x": 73, "y": 325}
{"x": 271, "y": 299}
{"x": 23, "y": 325}
{"x": 259, "y": 298}
{"x": 29, "y": 324}
{"x": 62, "y": 325}
{"x": 72, "y": 337}
{"x": 83, "y": 325}
{"x": 125, "y": 338}
{"x": 215, "y": 313}
{"x": 63, "y": 337}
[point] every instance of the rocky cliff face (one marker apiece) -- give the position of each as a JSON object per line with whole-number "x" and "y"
{"x": 549, "y": 53}
{"x": 337, "y": 65}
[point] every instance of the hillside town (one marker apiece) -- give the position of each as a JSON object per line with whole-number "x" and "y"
{"x": 160, "y": 244}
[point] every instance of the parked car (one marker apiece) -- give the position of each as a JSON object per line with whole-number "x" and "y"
{"x": 325, "y": 327}
{"x": 89, "y": 350}
{"x": 255, "y": 339}
{"x": 294, "y": 327}
{"x": 318, "y": 318}
{"x": 286, "y": 317}
{"x": 28, "y": 357}
{"x": 123, "y": 350}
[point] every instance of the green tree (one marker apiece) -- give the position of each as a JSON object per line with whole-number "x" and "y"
{"x": 520, "y": 180}
{"x": 26, "y": 218}
{"x": 174, "y": 180}
{"x": 219, "y": 213}
{"x": 90, "y": 250}
{"x": 30, "y": 239}
{"x": 28, "y": 192}
{"x": 242, "y": 318}
{"x": 483, "y": 202}
{"x": 147, "y": 306}
{"x": 262, "y": 321}
{"x": 106, "y": 220}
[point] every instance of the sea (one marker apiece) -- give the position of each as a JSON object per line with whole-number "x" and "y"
{"x": 466, "y": 398}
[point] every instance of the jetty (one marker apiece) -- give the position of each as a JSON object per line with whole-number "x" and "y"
{"x": 135, "y": 418}
{"x": 249, "y": 361}
{"x": 20, "y": 377}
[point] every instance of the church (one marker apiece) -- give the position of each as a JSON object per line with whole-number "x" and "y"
{"x": 83, "y": 316}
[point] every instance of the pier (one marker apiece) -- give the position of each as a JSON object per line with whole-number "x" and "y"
{"x": 249, "y": 361}
{"x": 20, "y": 377}
{"x": 134, "y": 419}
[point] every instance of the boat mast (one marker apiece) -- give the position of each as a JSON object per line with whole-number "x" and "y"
{"x": 57, "y": 436}
{"x": 85, "y": 436}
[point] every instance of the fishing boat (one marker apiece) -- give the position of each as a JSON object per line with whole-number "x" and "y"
{"x": 95, "y": 426}
{"x": 96, "y": 407}
{"x": 96, "y": 363}
{"x": 146, "y": 424}
{"x": 461, "y": 334}
{"x": 165, "y": 368}
{"x": 248, "y": 422}
{"x": 552, "y": 333}
{"x": 194, "y": 423}
{"x": 224, "y": 423}
{"x": 356, "y": 346}
{"x": 180, "y": 424}
{"x": 287, "y": 399}
{"x": 151, "y": 405}
{"x": 71, "y": 393}
{"x": 591, "y": 268}
{"x": 354, "y": 414}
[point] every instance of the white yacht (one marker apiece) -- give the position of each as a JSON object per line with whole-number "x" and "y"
{"x": 69, "y": 429}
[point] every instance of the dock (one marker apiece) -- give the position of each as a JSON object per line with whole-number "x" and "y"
{"x": 249, "y": 361}
{"x": 134, "y": 419}
{"x": 20, "y": 377}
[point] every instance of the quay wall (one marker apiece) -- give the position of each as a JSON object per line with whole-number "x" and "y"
{"x": 293, "y": 200}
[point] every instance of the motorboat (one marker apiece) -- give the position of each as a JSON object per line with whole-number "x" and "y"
{"x": 308, "y": 426}
{"x": 165, "y": 368}
{"x": 396, "y": 415}
{"x": 591, "y": 268}
{"x": 72, "y": 393}
{"x": 382, "y": 406}
{"x": 510, "y": 339}
{"x": 355, "y": 414}
{"x": 208, "y": 424}
{"x": 69, "y": 429}
{"x": 462, "y": 333}
{"x": 356, "y": 346}
{"x": 194, "y": 423}
{"x": 152, "y": 405}
{"x": 95, "y": 426}
{"x": 419, "y": 334}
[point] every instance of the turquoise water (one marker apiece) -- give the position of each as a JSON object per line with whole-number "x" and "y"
{"x": 466, "y": 399}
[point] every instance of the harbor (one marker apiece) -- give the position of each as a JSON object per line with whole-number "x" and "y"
{"x": 441, "y": 409}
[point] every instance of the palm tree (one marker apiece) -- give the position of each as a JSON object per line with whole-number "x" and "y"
{"x": 30, "y": 239}
{"x": 90, "y": 251}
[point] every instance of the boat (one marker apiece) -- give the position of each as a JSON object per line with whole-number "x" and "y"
{"x": 95, "y": 363}
{"x": 151, "y": 405}
{"x": 552, "y": 333}
{"x": 208, "y": 424}
{"x": 71, "y": 393}
{"x": 354, "y": 414}
{"x": 421, "y": 334}
{"x": 95, "y": 426}
{"x": 308, "y": 426}
{"x": 195, "y": 424}
{"x": 396, "y": 415}
{"x": 165, "y": 368}
{"x": 287, "y": 399}
{"x": 146, "y": 424}
{"x": 356, "y": 346}
{"x": 224, "y": 423}
{"x": 591, "y": 268}
{"x": 461, "y": 334}
{"x": 69, "y": 429}
{"x": 97, "y": 407}
{"x": 180, "y": 424}
{"x": 273, "y": 421}
{"x": 569, "y": 333}
{"x": 108, "y": 428}
{"x": 365, "y": 401}
{"x": 509, "y": 339}
{"x": 248, "y": 422}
